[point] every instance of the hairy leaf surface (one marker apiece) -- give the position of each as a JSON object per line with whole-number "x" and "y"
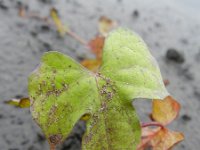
{"x": 62, "y": 91}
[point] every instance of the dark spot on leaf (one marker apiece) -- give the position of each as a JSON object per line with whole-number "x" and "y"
{"x": 109, "y": 95}
{"x": 69, "y": 66}
{"x": 108, "y": 130}
{"x": 174, "y": 55}
{"x": 54, "y": 70}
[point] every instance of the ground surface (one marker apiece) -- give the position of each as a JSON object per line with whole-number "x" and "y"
{"x": 163, "y": 25}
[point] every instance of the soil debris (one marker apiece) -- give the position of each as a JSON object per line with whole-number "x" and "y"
{"x": 175, "y": 56}
{"x": 136, "y": 13}
{"x": 186, "y": 118}
{"x": 3, "y": 6}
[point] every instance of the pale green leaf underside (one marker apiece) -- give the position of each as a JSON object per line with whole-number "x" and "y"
{"x": 61, "y": 91}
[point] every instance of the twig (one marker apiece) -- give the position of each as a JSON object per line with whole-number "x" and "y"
{"x": 150, "y": 136}
{"x": 52, "y": 146}
{"x": 143, "y": 125}
{"x": 23, "y": 13}
{"x": 146, "y": 140}
{"x": 78, "y": 38}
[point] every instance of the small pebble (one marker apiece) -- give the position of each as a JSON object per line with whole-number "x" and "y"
{"x": 40, "y": 137}
{"x": 80, "y": 58}
{"x": 157, "y": 24}
{"x": 33, "y": 33}
{"x": 136, "y": 13}
{"x": 184, "y": 41}
{"x": 19, "y": 96}
{"x": 185, "y": 71}
{"x": 1, "y": 116}
{"x": 46, "y": 47}
{"x": 3, "y": 6}
{"x": 186, "y": 118}
{"x": 175, "y": 56}
{"x": 45, "y": 28}
{"x": 197, "y": 56}
{"x": 46, "y": 1}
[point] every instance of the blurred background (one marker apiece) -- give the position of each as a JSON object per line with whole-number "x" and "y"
{"x": 170, "y": 25}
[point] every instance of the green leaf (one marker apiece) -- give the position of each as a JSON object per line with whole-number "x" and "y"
{"x": 62, "y": 91}
{"x": 128, "y": 62}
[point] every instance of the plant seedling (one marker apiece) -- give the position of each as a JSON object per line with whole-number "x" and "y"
{"x": 62, "y": 92}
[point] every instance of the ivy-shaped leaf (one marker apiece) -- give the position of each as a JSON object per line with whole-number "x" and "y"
{"x": 62, "y": 91}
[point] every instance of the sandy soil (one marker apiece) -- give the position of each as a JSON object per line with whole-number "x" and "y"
{"x": 163, "y": 25}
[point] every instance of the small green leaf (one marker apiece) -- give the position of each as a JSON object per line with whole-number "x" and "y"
{"x": 62, "y": 92}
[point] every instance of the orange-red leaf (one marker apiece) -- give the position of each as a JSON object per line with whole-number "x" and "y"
{"x": 91, "y": 64}
{"x": 159, "y": 138}
{"x": 22, "y": 12}
{"x": 22, "y": 103}
{"x": 97, "y": 43}
{"x": 165, "y": 111}
{"x": 96, "y": 46}
{"x": 166, "y": 139}
{"x": 106, "y": 25}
